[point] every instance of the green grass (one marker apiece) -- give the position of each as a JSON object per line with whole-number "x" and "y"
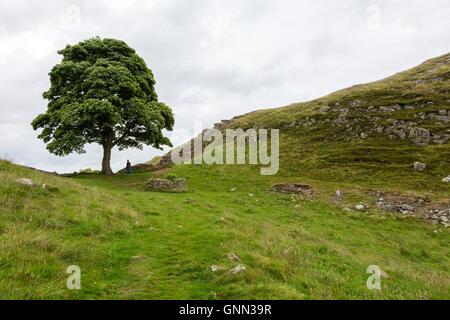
{"x": 131, "y": 243}
{"x": 101, "y": 223}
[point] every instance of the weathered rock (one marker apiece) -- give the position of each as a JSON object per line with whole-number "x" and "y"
{"x": 421, "y": 136}
{"x": 166, "y": 185}
{"x": 406, "y": 209}
{"x": 364, "y": 135}
{"x": 233, "y": 257}
{"x": 324, "y": 108}
{"x": 340, "y": 193}
{"x": 294, "y": 188}
{"x": 237, "y": 269}
{"x": 360, "y": 207}
{"x": 446, "y": 179}
{"x": 26, "y": 181}
{"x": 215, "y": 268}
{"x": 419, "y": 166}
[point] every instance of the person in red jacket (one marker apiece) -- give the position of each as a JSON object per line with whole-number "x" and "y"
{"x": 128, "y": 166}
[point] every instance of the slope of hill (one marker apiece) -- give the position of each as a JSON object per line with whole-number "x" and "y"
{"x": 355, "y": 201}
{"x": 369, "y": 134}
{"x": 131, "y": 243}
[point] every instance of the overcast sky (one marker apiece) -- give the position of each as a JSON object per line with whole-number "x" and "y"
{"x": 211, "y": 59}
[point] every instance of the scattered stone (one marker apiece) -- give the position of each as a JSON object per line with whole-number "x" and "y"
{"x": 360, "y": 207}
{"x": 237, "y": 269}
{"x": 364, "y": 135}
{"x": 438, "y": 214}
{"x": 340, "y": 193}
{"x": 406, "y": 209}
{"x": 232, "y": 189}
{"x": 419, "y": 166}
{"x": 295, "y": 188}
{"x": 222, "y": 219}
{"x": 420, "y": 81}
{"x": 250, "y": 194}
{"x": 297, "y": 206}
{"x": 151, "y": 229}
{"x": 44, "y": 186}
{"x": 26, "y": 181}
{"x": 233, "y": 257}
{"x": 324, "y": 108}
{"x": 215, "y": 268}
{"x": 446, "y": 179}
{"x": 135, "y": 257}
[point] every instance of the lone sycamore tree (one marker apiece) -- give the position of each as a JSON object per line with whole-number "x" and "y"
{"x": 102, "y": 92}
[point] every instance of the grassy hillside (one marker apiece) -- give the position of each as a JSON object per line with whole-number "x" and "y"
{"x": 132, "y": 243}
{"x": 321, "y": 139}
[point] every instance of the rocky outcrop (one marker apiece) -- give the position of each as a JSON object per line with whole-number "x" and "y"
{"x": 359, "y": 121}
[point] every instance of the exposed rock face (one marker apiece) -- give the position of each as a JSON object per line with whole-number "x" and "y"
{"x": 420, "y": 136}
{"x": 359, "y": 120}
{"x": 418, "y": 166}
{"x": 324, "y": 108}
{"x": 166, "y": 185}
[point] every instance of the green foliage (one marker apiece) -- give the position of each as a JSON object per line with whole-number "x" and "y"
{"x": 102, "y": 92}
{"x": 171, "y": 176}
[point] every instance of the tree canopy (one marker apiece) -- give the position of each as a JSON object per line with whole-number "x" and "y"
{"x": 102, "y": 92}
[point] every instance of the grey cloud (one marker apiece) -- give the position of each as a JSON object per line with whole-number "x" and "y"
{"x": 212, "y": 59}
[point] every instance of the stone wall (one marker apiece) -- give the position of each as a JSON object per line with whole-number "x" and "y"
{"x": 139, "y": 167}
{"x": 166, "y": 185}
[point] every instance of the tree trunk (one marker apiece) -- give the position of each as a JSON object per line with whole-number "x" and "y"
{"x": 106, "y": 168}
